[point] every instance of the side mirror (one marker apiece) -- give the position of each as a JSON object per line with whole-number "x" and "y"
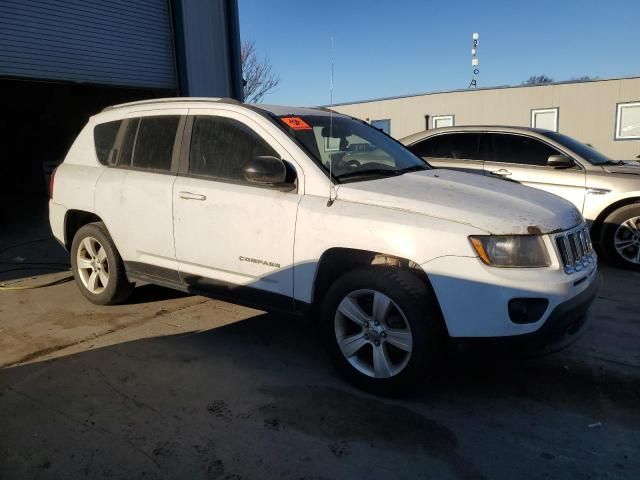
{"x": 267, "y": 170}
{"x": 560, "y": 161}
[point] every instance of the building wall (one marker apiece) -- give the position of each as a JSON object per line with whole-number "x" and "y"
{"x": 586, "y": 110}
{"x": 208, "y": 48}
{"x": 88, "y": 41}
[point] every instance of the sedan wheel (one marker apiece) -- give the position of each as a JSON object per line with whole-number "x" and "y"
{"x": 627, "y": 240}
{"x": 621, "y": 237}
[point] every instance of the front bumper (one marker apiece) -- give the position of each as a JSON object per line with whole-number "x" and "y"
{"x": 474, "y": 299}
{"x": 564, "y": 326}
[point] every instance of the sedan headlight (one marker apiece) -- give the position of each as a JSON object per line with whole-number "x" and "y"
{"x": 511, "y": 250}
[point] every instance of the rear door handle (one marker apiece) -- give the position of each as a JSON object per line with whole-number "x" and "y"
{"x": 192, "y": 196}
{"x": 501, "y": 173}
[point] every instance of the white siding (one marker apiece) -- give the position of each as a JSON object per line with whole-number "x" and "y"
{"x": 586, "y": 110}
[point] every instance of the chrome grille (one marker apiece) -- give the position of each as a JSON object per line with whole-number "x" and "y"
{"x": 575, "y": 249}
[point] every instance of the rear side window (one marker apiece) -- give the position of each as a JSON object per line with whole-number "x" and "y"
{"x": 153, "y": 147}
{"x": 104, "y": 138}
{"x": 518, "y": 149}
{"x": 457, "y": 145}
{"x": 220, "y": 146}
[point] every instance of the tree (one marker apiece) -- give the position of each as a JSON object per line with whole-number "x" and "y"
{"x": 537, "y": 80}
{"x": 257, "y": 73}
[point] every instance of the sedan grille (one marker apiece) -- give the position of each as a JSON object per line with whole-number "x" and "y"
{"x": 576, "y": 250}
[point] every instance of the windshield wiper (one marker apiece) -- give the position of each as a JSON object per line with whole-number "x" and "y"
{"x": 415, "y": 168}
{"x": 374, "y": 172}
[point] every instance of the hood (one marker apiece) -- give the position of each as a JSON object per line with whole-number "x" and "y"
{"x": 493, "y": 205}
{"x": 629, "y": 167}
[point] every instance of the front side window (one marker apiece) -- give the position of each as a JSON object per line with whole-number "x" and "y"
{"x": 457, "y": 145}
{"x": 507, "y": 148}
{"x": 221, "y": 146}
{"x": 587, "y": 152}
{"x": 104, "y": 138}
{"x": 355, "y": 150}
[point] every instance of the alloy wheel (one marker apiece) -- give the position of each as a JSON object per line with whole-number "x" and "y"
{"x": 373, "y": 333}
{"x": 93, "y": 265}
{"x": 626, "y": 240}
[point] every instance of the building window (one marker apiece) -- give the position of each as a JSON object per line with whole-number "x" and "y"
{"x": 440, "y": 121}
{"x": 426, "y": 122}
{"x": 384, "y": 125}
{"x": 546, "y": 118}
{"x": 628, "y": 121}
{"x": 331, "y": 144}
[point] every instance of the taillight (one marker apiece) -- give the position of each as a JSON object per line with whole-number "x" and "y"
{"x": 51, "y": 181}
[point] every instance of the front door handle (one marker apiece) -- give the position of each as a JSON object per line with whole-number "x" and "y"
{"x": 192, "y": 196}
{"x": 502, "y": 172}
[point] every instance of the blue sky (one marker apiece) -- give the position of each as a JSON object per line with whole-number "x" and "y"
{"x": 386, "y": 48}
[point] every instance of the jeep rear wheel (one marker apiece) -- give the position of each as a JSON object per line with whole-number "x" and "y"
{"x": 97, "y": 266}
{"x": 382, "y": 326}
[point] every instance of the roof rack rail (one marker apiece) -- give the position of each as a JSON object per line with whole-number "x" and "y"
{"x": 152, "y": 101}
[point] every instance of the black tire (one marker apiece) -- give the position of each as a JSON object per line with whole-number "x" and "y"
{"x": 420, "y": 309}
{"x": 611, "y": 226}
{"x": 117, "y": 288}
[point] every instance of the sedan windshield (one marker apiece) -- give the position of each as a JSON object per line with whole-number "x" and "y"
{"x": 585, "y": 151}
{"x": 351, "y": 149}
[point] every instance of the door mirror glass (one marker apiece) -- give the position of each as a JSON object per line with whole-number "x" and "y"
{"x": 560, "y": 161}
{"x": 265, "y": 170}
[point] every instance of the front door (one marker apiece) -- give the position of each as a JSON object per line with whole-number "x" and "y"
{"x": 523, "y": 159}
{"x": 232, "y": 236}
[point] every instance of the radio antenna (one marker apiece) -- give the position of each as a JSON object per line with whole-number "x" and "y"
{"x": 474, "y": 62}
{"x": 331, "y": 199}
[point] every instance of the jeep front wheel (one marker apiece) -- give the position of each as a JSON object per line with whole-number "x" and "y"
{"x": 382, "y": 326}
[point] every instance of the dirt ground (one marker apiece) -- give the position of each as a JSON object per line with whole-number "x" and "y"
{"x": 177, "y": 386}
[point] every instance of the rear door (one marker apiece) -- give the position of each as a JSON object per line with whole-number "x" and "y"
{"x": 523, "y": 159}
{"x": 457, "y": 151}
{"x": 134, "y": 196}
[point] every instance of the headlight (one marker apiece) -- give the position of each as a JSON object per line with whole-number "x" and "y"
{"x": 511, "y": 250}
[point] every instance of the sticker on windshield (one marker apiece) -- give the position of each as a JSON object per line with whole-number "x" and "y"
{"x": 296, "y": 123}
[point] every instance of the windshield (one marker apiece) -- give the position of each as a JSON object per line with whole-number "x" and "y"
{"x": 585, "y": 151}
{"x": 354, "y": 150}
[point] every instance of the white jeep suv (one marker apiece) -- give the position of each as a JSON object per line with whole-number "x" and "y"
{"x": 311, "y": 211}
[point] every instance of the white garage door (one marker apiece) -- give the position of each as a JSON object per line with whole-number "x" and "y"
{"x": 114, "y": 42}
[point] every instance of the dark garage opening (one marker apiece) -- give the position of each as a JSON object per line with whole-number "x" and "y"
{"x": 40, "y": 122}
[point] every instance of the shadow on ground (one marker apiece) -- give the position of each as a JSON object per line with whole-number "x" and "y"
{"x": 257, "y": 399}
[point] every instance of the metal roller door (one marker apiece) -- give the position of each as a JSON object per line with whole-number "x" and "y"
{"x": 110, "y": 42}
